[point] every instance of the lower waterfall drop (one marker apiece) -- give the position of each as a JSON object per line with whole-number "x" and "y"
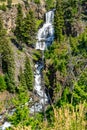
{"x": 45, "y": 38}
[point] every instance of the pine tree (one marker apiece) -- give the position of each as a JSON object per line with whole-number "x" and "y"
{"x": 29, "y": 29}
{"x": 3, "y": 7}
{"x": 8, "y": 65}
{"x": 9, "y": 3}
{"x": 58, "y": 21}
{"x": 37, "y": 1}
{"x": 2, "y": 30}
{"x": 28, "y": 74}
{"x": 2, "y": 83}
{"x": 7, "y": 58}
{"x": 19, "y": 21}
{"x": 70, "y": 10}
{"x": 22, "y": 80}
{"x": 49, "y": 4}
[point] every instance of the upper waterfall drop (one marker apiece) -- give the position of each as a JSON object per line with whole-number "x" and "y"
{"x": 45, "y": 34}
{"x": 49, "y": 16}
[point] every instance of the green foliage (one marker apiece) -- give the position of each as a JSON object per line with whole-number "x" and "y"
{"x": 2, "y": 30}
{"x": 26, "y": 3}
{"x": 19, "y": 21}
{"x": 74, "y": 45}
{"x": 70, "y": 10}
{"x": 25, "y": 27}
{"x": 58, "y": 21}
{"x": 49, "y": 4}
{"x": 2, "y": 0}
{"x": 29, "y": 28}
{"x": 8, "y": 65}
{"x": 38, "y": 23}
{"x": 37, "y": 1}
{"x": 36, "y": 55}
{"x": 22, "y": 84}
{"x": 83, "y": 42}
{"x": 10, "y": 82}
{"x": 28, "y": 74}
{"x": 7, "y": 58}
{"x": 78, "y": 44}
{"x": 3, "y": 7}
{"x": 66, "y": 68}
{"x": 21, "y": 99}
{"x": 65, "y": 98}
{"x": 21, "y": 115}
{"x": 80, "y": 92}
{"x": 58, "y": 54}
{"x": 9, "y": 3}
{"x": 2, "y": 83}
{"x": 50, "y": 115}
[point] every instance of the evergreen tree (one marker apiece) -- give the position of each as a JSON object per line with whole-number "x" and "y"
{"x": 22, "y": 80}
{"x": 28, "y": 74}
{"x": 7, "y": 58}
{"x": 37, "y": 1}
{"x": 49, "y": 4}
{"x": 26, "y": 3}
{"x": 3, "y": 7}
{"x": 70, "y": 10}
{"x": 2, "y": 83}
{"x": 8, "y": 65}
{"x": 2, "y": 30}
{"x": 58, "y": 21}
{"x": 9, "y": 3}
{"x": 19, "y": 21}
{"x": 25, "y": 28}
{"x": 29, "y": 29}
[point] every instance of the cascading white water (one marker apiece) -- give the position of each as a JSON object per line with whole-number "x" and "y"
{"x": 5, "y": 125}
{"x": 45, "y": 34}
{"x": 45, "y": 38}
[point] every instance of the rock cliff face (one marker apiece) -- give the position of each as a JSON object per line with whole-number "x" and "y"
{"x": 38, "y": 9}
{"x": 9, "y": 16}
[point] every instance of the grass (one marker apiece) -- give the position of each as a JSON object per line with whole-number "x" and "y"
{"x": 69, "y": 119}
{"x": 22, "y": 128}
{"x": 65, "y": 118}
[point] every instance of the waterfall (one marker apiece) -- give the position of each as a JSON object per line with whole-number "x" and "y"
{"x": 45, "y": 34}
{"x": 45, "y": 38}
